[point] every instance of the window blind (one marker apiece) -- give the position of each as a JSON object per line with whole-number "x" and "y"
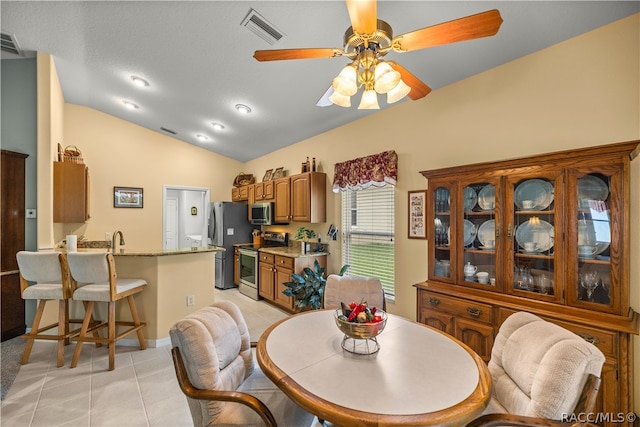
{"x": 368, "y": 238}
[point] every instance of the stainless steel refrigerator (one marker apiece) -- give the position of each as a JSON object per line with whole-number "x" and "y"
{"x": 228, "y": 225}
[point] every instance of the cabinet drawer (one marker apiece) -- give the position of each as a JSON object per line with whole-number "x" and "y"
{"x": 284, "y": 261}
{"x": 268, "y": 258}
{"x": 604, "y": 340}
{"x": 457, "y": 307}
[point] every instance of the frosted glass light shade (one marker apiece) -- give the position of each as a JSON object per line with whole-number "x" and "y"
{"x": 341, "y": 100}
{"x": 369, "y": 100}
{"x": 397, "y": 93}
{"x": 346, "y": 83}
{"x": 386, "y": 78}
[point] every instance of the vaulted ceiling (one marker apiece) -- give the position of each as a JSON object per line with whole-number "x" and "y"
{"x": 198, "y": 58}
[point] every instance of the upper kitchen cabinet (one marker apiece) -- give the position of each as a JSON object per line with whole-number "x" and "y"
{"x": 308, "y": 197}
{"x": 301, "y": 198}
{"x": 70, "y": 192}
{"x": 240, "y": 194}
{"x": 263, "y": 191}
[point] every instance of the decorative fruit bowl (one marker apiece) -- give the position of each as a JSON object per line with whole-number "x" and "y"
{"x": 360, "y": 326}
{"x": 360, "y": 331}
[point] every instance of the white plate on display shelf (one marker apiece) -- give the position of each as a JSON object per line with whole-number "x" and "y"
{"x": 487, "y": 197}
{"x": 470, "y": 198}
{"x": 540, "y": 192}
{"x": 591, "y": 188}
{"x": 540, "y": 232}
{"x": 487, "y": 232}
{"x": 469, "y": 232}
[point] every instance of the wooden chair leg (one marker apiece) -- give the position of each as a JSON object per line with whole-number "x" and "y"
{"x": 88, "y": 315}
{"x": 34, "y": 331}
{"x": 63, "y": 330}
{"x": 112, "y": 335}
{"x": 136, "y": 322}
{"x": 67, "y": 340}
{"x": 92, "y": 322}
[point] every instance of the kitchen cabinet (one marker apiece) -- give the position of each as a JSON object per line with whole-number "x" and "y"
{"x": 236, "y": 266}
{"x": 263, "y": 191}
{"x": 70, "y": 192}
{"x": 301, "y": 198}
{"x": 240, "y": 194}
{"x": 552, "y": 233}
{"x": 12, "y": 230}
{"x": 275, "y": 270}
{"x": 282, "y": 205}
{"x": 251, "y": 199}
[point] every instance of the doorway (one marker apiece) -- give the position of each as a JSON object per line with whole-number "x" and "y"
{"x": 185, "y": 216}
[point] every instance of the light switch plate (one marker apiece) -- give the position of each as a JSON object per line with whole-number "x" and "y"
{"x": 31, "y": 213}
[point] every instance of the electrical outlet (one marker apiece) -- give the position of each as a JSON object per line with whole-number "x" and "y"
{"x": 191, "y": 300}
{"x": 107, "y": 236}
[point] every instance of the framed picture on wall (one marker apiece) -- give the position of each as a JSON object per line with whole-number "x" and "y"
{"x": 127, "y": 197}
{"x": 417, "y": 221}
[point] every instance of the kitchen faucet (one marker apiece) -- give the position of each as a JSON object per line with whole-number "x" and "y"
{"x": 113, "y": 240}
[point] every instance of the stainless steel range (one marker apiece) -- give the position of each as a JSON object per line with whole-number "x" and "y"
{"x": 249, "y": 262}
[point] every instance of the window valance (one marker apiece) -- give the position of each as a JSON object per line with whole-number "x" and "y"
{"x": 357, "y": 174}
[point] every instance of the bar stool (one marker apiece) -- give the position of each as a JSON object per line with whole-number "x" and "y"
{"x": 47, "y": 269}
{"x": 94, "y": 274}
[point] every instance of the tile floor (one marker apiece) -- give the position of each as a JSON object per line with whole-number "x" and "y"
{"x": 141, "y": 391}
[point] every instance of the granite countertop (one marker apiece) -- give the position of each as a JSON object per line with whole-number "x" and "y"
{"x": 155, "y": 252}
{"x": 291, "y": 251}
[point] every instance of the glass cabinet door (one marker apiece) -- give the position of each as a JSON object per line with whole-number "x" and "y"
{"x": 442, "y": 232}
{"x": 478, "y": 233}
{"x": 594, "y": 240}
{"x": 534, "y": 235}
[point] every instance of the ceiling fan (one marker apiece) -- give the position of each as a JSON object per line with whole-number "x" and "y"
{"x": 369, "y": 39}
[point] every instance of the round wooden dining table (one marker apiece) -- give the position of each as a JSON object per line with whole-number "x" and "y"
{"x": 420, "y": 376}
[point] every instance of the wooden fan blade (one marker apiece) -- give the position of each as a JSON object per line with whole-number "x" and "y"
{"x": 418, "y": 88}
{"x": 363, "y": 15}
{"x": 282, "y": 54}
{"x": 483, "y": 24}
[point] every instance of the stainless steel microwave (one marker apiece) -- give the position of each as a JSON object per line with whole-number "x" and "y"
{"x": 262, "y": 213}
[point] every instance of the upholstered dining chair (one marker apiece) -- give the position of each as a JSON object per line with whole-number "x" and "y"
{"x": 47, "y": 270}
{"x": 94, "y": 279}
{"x": 353, "y": 289}
{"x": 217, "y": 371}
{"x": 542, "y": 374}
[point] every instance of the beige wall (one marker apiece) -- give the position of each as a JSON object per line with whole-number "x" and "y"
{"x": 119, "y": 153}
{"x": 50, "y": 133}
{"x": 582, "y": 92}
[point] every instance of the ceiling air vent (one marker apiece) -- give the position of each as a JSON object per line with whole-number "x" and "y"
{"x": 263, "y": 28}
{"x": 172, "y": 132}
{"x": 9, "y": 44}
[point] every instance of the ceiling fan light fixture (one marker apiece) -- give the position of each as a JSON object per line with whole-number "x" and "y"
{"x": 397, "y": 93}
{"x": 369, "y": 100}
{"x": 346, "y": 83}
{"x": 386, "y": 78}
{"x": 339, "y": 99}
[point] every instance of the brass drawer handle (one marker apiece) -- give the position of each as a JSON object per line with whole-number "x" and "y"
{"x": 474, "y": 312}
{"x": 589, "y": 338}
{"x": 434, "y": 301}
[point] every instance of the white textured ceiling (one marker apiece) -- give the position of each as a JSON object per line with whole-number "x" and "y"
{"x": 198, "y": 58}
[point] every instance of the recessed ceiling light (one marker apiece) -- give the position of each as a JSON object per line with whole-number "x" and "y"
{"x": 243, "y": 109}
{"x": 202, "y": 137}
{"x": 139, "y": 81}
{"x": 130, "y": 105}
{"x": 217, "y": 126}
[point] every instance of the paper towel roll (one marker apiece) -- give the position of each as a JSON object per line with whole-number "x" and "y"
{"x": 72, "y": 243}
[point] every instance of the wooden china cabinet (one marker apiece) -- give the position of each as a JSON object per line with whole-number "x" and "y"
{"x": 552, "y": 232}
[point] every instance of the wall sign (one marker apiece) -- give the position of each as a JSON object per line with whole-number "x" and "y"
{"x": 417, "y": 225}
